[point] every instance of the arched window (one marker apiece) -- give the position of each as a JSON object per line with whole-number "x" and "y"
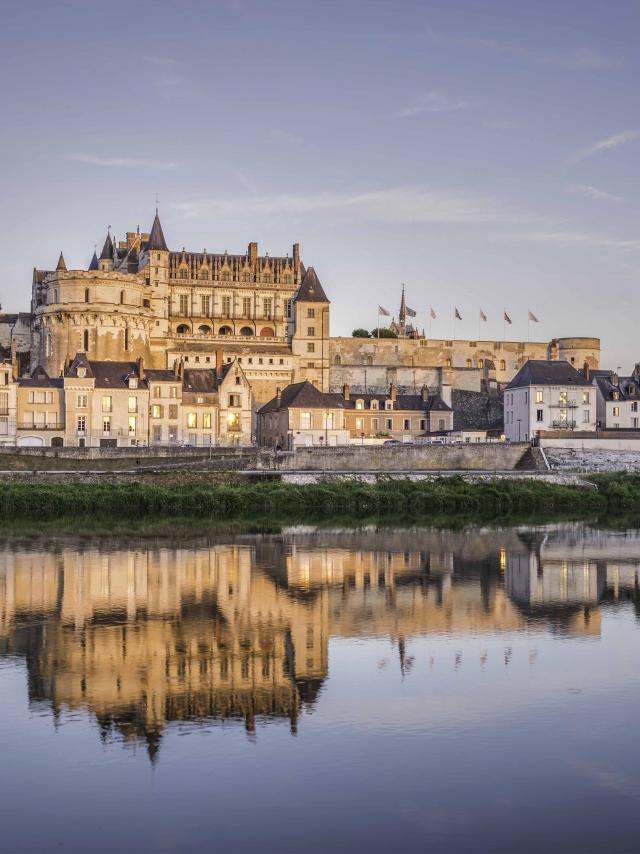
{"x": 337, "y": 360}
{"x": 87, "y": 296}
{"x": 369, "y": 360}
{"x": 85, "y": 340}
{"x": 246, "y": 330}
{"x": 204, "y": 329}
{"x": 469, "y": 363}
{"x": 481, "y": 363}
{"x": 225, "y": 330}
{"x": 449, "y": 363}
{"x": 503, "y": 365}
{"x": 267, "y": 332}
{"x": 182, "y": 329}
{"x": 121, "y": 297}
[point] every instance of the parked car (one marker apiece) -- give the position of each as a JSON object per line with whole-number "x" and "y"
{"x": 392, "y": 442}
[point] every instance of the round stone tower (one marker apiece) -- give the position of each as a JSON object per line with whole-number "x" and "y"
{"x": 577, "y": 351}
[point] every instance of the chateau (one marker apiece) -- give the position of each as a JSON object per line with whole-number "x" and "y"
{"x": 145, "y": 307}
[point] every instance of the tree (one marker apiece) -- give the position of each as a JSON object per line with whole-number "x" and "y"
{"x": 360, "y": 333}
{"x": 384, "y": 333}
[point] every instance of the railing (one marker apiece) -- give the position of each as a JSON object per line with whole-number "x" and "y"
{"x": 208, "y": 336}
{"x": 34, "y": 426}
{"x": 564, "y": 425}
{"x": 564, "y": 404}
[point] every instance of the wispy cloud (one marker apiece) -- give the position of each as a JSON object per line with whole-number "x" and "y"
{"x": 594, "y": 193}
{"x": 398, "y": 205}
{"x": 606, "y": 144}
{"x": 122, "y": 162}
{"x": 433, "y": 102}
{"x": 500, "y": 124}
{"x": 571, "y": 238}
{"x": 284, "y": 137}
{"x": 577, "y": 58}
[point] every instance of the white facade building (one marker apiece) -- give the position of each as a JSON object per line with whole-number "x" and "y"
{"x": 548, "y": 395}
{"x": 8, "y": 404}
{"x": 618, "y": 400}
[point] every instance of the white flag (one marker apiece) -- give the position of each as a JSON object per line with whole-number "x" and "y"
{"x": 432, "y": 312}
{"x": 507, "y": 318}
{"x": 457, "y": 315}
{"x": 483, "y": 316}
{"x": 382, "y": 310}
{"x": 533, "y": 317}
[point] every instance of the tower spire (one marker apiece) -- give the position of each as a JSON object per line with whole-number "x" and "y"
{"x": 402, "y": 317}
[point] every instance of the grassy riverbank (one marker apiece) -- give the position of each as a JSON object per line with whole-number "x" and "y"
{"x": 413, "y": 499}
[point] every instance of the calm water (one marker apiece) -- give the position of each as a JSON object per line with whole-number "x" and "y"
{"x": 356, "y": 690}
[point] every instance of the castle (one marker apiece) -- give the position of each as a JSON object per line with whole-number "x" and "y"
{"x": 269, "y": 315}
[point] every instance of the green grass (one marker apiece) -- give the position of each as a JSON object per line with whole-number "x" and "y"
{"x": 347, "y": 498}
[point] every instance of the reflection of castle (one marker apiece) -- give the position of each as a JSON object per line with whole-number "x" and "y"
{"x": 146, "y": 636}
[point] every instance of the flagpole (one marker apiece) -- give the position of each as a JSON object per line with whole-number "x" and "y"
{"x": 378, "y": 323}
{"x": 504, "y": 324}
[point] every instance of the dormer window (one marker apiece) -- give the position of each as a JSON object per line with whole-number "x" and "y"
{"x": 133, "y": 382}
{"x": 359, "y": 404}
{"x": 388, "y": 404}
{"x": 374, "y": 404}
{"x": 82, "y": 372}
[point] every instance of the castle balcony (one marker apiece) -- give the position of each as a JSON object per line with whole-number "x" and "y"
{"x": 242, "y": 339}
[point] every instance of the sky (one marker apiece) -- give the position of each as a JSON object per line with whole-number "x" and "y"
{"x": 483, "y": 153}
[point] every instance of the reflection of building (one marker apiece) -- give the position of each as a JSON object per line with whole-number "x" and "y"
{"x": 145, "y": 636}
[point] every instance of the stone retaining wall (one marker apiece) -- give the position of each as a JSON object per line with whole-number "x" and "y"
{"x": 472, "y": 457}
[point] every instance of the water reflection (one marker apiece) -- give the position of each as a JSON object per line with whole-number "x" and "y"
{"x": 146, "y": 634}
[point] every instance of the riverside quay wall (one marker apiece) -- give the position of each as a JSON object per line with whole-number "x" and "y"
{"x": 354, "y": 458}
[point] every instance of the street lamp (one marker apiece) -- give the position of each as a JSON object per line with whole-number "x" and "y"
{"x": 519, "y": 420}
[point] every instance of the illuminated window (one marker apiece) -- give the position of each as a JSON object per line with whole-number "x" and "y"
{"x": 106, "y": 424}
{"x": 132, "y": 425}
{"x": 192, "y": 419}
{"x": 305, "y": 420}
{"x": 206, "y": 420}
{"x": 133, "y": 404}
{"x": 106, "y": 403}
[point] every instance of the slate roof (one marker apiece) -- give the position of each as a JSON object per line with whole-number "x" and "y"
{"x": 160, "y": 376}
{"x": 107, "y": 249}
{"x": 113, "y": 374}
{"x": 304, "y": 394}
{"x": 628, "y": 388}
{"x": 156, "y": 236}
{"x": 310, "y": 289}
{"x": 61, "y": 266}
{"x": 94, "y": 262}
{"x": 203, "y": 381}
{"x": 40, "y": 379}
{"x": 547, "y": 372}
{"x": 403, "y": 402}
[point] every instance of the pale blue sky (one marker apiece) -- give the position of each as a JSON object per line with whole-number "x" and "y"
{"x": 485, "y": 153}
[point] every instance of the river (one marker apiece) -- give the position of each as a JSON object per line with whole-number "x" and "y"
{"x": 321, "y": 690}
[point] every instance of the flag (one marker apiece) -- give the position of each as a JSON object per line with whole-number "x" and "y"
{"x": 382, "y": 310}
{"x": 457, "y": 315}
{"x": 432, "y": 312}
{"x": 410, "y": 312}
{"x": 533, "y": 317}
{"x": 507, "y": 318}
{"x": 483, "y": 316}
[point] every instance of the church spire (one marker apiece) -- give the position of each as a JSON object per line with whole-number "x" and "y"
{"x": 402, "y": 317}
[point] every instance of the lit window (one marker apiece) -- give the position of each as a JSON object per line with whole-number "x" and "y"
{"x": 192, "y": 419}
{"x": 305, "y": 420}
{"x": 106, "y": 424}
{"x": 133, "y": 404}
{"x": 132, "y": 425}
{"x": 81, "y": 401}
{"x": 359, "y": 424}
{"x": 539, "y": 395}
{"x": 106, "y": 403}
{"x": 156, "y": 411}
{"x": 206, "y": 420}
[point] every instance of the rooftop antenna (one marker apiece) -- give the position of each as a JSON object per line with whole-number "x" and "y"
{"x": 157, "y": 203}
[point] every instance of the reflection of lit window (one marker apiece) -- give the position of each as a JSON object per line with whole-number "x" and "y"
{"x": 503, "y": 558}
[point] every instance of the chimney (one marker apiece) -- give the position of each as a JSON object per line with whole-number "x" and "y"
{"x": 15, "y": 370}
{"x": 587, "y": 372}
{"x": 296, "y": 257}
{"x": 253, "y": 254}
{"x": 279, "y": 396}
{"x": 346, "y": 392}
{"x": 176, "y": 367}
{"x": 425, "y": 393}
{"x": 393, "y": 391}
{"x": 140, "y": 368}
{"x": 219, "y": 360}
{"x": 181, "y": 370}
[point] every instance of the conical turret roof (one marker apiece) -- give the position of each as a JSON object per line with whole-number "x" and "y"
{"x": 156, "y": 237}
{"x": 107, "y": 249}
{"x": 61, "y": 264}
{"x": 94, "y": 262}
